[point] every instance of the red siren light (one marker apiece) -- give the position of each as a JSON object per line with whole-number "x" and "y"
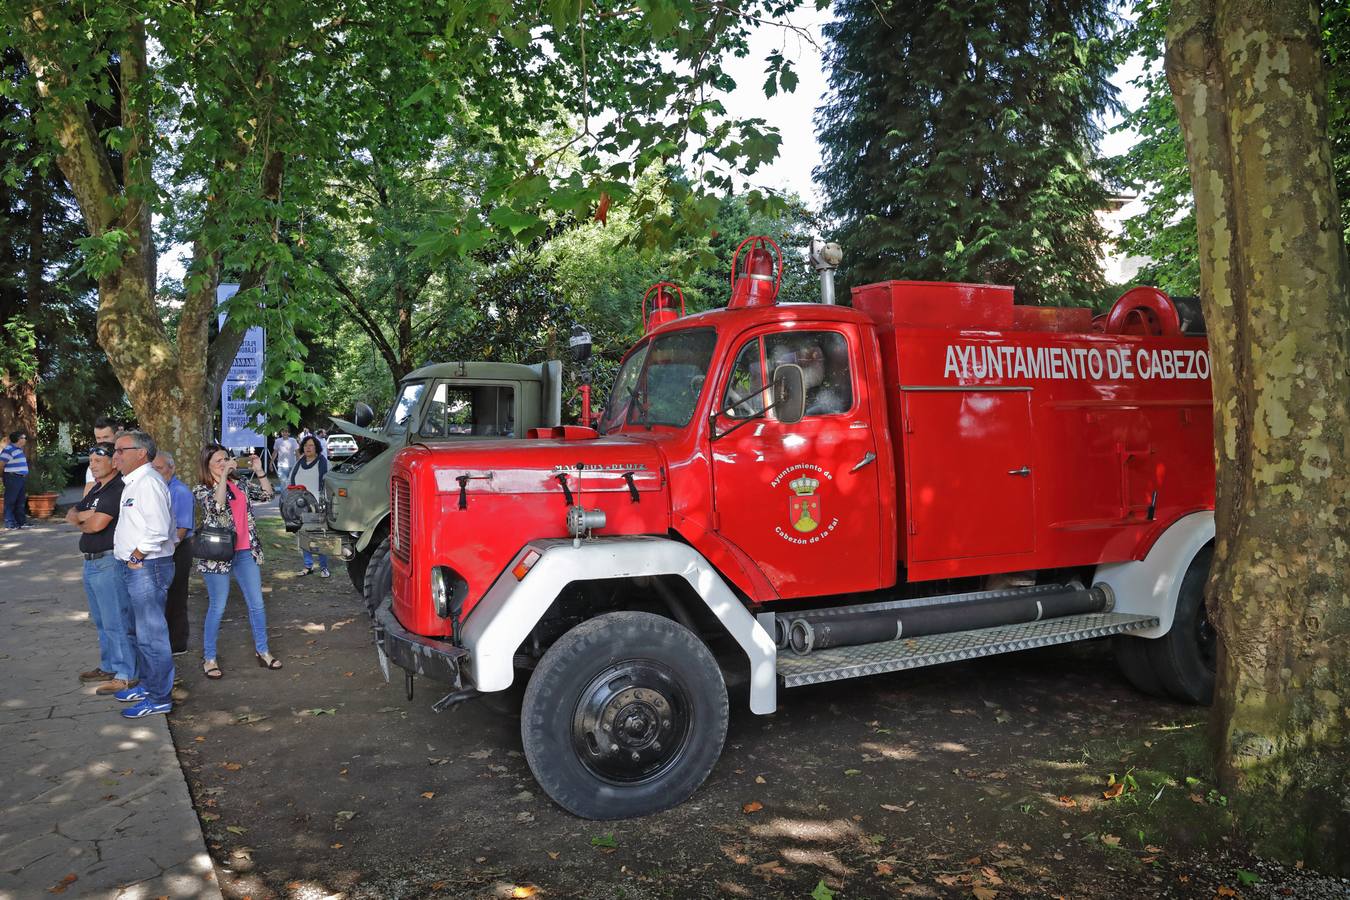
{"x": 663, "y": 305}
{"x": 757, "y": 278}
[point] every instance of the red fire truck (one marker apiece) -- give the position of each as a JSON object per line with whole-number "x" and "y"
{"x": 805, "y": 492}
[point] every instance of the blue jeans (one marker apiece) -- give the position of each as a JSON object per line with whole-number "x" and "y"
{"x": 148, "y": 587}
{"x": 16, "y": 500}
{"x": 110, "y": 608}
{"x": 309, "y": 559}
{"x": 249, "y": 578}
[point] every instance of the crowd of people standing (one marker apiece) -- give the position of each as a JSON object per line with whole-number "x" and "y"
{"x": 137, "y": 520}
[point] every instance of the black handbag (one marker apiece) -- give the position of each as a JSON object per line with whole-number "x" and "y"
{"x": 214, "y": 543}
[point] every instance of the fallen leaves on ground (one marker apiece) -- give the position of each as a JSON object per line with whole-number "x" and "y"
{"x": 984, "y": 893}
{"x": 318, "y": 711}
{"x": 753, "y": 806}
{"x": 60, "y": 886}
{"x": 236, "y": 829}
{"x": 232, "y": 767}
{"x": 604, "y": 840}
{"x": 822, "y": 892}
{"x": 427, "y": 795}
{"x": 1114, "y": 791}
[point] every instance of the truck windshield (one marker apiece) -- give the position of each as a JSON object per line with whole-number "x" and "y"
{"x": 397, "y": 422}
{"x": 660, "y": 381}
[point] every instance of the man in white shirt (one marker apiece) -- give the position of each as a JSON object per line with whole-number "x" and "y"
{"x": 284, "y": 452}
{"x": 144, "y": 543}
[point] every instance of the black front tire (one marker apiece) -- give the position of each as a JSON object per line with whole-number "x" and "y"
{"x": 356, "y": 570}
{"x": 624, "y": 716}
{"x": 379, "y": 581}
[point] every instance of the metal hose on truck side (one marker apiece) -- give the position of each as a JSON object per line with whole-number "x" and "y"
{"x": 805, "y": 633}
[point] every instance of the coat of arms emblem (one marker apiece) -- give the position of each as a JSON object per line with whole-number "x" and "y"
{"x": 804, "y": 505}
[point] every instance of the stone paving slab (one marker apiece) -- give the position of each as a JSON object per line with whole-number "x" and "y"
{"x": 83, "y": 791}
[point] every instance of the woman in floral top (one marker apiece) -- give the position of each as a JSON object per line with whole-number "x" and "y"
{"x": 227, "y": 503}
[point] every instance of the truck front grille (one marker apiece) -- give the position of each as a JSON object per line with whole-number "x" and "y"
{"x": 401, "y": 514}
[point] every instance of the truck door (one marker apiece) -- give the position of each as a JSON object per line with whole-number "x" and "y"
{"x": 800, "y": 500}
{"x": 968, "y": 473}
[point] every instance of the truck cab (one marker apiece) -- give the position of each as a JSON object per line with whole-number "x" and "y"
{"x": 825, "y": 492}
{"x": 434, "y": 404}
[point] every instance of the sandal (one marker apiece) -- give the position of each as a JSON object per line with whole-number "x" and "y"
{"x": 308, "y": 571}
{"x": 268, "y": 662}
{"x": 212, "y": 670}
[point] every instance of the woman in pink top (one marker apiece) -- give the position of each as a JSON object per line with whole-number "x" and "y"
{"x": 226, "y": 501}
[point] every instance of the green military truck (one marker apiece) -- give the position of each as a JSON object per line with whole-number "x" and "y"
{"x": 455, "y": 401}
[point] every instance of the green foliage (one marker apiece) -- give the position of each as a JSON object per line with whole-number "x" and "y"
{"x": 1156, "y": 166}
{"x": 48, "y": 352}
{"x": 47, "y": 472}
{"x": 244, "y": 126}
{"x": 959, "y": 141}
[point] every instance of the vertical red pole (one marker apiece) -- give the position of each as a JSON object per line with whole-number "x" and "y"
{"x": 586, "y": 405}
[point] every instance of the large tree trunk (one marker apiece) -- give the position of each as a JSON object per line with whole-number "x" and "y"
{"x": 1250, "y": 90}
{"x": 171, "y": 388}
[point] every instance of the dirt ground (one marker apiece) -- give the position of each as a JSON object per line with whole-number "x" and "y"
{"x": 991, "y": 778}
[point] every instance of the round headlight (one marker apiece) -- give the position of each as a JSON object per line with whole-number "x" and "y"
{"x": 440, "y": 593}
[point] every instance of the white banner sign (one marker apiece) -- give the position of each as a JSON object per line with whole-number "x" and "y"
{"x": 246, "y": 373}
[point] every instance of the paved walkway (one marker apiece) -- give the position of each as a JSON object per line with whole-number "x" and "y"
{"x": 84, "y": 793}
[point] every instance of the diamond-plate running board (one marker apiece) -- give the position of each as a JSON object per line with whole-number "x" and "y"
{"x": 910, "y": 653}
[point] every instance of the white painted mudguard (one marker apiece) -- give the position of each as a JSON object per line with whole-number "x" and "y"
{"x": 501, "y": 621}
{"x": 1150, "y": 586}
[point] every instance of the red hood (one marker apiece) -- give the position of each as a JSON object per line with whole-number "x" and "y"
{"x": 472, "y": 506}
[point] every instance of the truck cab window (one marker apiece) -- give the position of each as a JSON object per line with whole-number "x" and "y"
{"x": 823, "y": 357}
{"x": 486, "y": 411}
{"x": 403, "y": 407}
{"x": 744, "y": 398}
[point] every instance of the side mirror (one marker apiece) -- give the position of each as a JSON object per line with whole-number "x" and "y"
{"x": 789, "y": 394}
{"x": 362, "y": 415}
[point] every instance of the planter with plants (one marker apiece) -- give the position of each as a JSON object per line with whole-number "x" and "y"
{"x": 46, "y": 478}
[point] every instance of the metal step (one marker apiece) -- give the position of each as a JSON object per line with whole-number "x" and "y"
{"x": 911, "y": 653}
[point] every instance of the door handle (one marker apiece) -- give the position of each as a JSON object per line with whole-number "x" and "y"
{"x": 1022, "y": 472}
{"x": 868, "y": 457}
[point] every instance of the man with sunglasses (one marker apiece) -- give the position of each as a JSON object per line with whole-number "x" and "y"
{"x": 109, "y": 606}
{"x": 144, "y": 543}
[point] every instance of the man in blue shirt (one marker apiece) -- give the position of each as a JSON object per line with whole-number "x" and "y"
{"x": 14, "y": 466}
{"x": 180, "y": 502}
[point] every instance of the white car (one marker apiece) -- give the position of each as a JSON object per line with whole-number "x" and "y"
{"x": 340, "y": 446}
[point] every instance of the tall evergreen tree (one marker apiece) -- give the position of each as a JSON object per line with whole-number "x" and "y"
{"x": 959, "y": 141}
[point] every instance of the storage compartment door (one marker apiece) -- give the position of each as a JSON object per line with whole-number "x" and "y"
{"x": 969, "y": 477}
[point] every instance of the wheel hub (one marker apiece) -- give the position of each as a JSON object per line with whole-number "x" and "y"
{"x": 631, "y": 722}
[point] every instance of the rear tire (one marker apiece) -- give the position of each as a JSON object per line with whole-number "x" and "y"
{"x": 379, "y": 581}
{"x": 1181, "y": 664}
{"x": 625, "y": 715}
{"x": 1186, "y": 658}
{"x": 1132, "y": 656}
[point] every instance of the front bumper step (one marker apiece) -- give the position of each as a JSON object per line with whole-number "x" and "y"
{"x": 837, "y": 663}
{"x": 436, "y": 659}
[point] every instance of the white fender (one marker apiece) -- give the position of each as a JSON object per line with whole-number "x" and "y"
{"x": 1150, "y": 586}
{"x": 500, "y": 622}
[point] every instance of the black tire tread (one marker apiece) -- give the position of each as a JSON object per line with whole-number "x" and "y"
{"x": 573, "y": 659}
{"x": 1174, "y": 656}
{"x": 379, "y": 579}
